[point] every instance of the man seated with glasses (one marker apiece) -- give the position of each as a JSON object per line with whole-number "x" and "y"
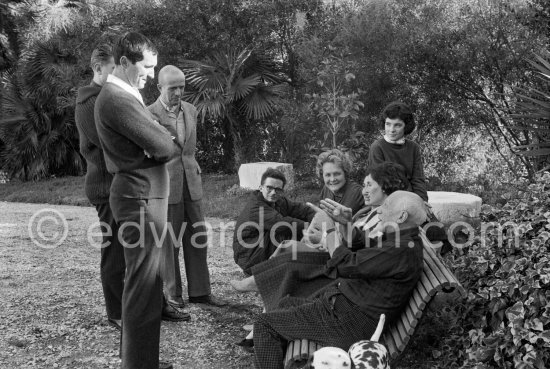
{"x": 267, "y": 219}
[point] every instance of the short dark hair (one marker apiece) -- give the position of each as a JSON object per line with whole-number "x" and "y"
{"x": 398, "y": 109}
{"x": 273, "y": 173}
{"x": 336, "y": 157}
{"x": 132, "y": 45}
{"x": 390, "y": 177}
{"x": 101, "y": 54}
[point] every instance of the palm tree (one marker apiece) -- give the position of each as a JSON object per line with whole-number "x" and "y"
{"x": 533, "y": 115}
{"x": 231, "y": 87}
{"x": 39, "y": 132}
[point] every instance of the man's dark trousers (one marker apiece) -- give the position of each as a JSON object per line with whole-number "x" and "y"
{"x": 141, "y": 223}
{"x": 188, "y": 214}
{"x": 112, "y": 267}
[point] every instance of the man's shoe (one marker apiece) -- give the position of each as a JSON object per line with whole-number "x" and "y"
{"x": 247, "y": 345}
{"x": 173, "y": 314}
{"x": 208, "y": 300}
{"x": 176, "y": 301}
{"x": 165, "y": 365}
{"x": 246, "y": 342}
{"x": 116, "y": 323}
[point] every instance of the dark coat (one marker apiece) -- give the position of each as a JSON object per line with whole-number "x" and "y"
{"x": 252, "y": 241}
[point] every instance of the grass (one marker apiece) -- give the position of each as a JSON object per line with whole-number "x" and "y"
{"x": 222, "y": 196}
{"x": 57, "y": 191}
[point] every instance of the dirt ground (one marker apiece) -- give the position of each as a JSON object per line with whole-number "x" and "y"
{"x": 52, "y": 313}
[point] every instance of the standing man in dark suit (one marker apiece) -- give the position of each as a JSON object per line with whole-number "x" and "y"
{"x": 98, "y": 182}
{"x": 136, "y": 149}
{"x": 184, "y": 209}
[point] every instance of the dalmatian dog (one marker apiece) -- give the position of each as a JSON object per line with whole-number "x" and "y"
{"x": 367, "y": 354}
{"x": 330, "y": 358}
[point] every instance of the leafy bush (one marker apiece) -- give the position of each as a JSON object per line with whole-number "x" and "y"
{"x": 507, "y": 274}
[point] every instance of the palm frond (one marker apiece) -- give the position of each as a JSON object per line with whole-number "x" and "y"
{"x": 262, "y": 102}
{"x": 242, "y": 87}
{"x": 533, "y": 112}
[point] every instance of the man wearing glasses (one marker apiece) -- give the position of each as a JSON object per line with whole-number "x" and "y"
{"x": 267, "y": 219}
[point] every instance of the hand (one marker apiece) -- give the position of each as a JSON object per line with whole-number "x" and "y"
{"x": 322, "y": 221}
{"x": 338, "y": 212}
{"x": 314, "y": 238}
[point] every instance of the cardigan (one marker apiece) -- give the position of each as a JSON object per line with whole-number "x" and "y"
{"x": 408, "y": 155}
{"x": 136, "y": 147}
{"x": 98, "y": 179}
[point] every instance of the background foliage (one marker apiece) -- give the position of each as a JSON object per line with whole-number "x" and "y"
{"x": 462, "y": 65}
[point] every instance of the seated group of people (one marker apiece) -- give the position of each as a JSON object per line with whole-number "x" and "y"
{"x": 328, "y": 272}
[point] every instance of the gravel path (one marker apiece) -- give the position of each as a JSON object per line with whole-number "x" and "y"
{"x": 51, "y": 304}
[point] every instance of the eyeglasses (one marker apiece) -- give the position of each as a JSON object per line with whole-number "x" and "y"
{"x": 277, "y": 190}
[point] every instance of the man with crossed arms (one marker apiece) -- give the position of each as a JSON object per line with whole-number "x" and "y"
{"x": 184, "y": 210}
{"x": 136, "y": 149}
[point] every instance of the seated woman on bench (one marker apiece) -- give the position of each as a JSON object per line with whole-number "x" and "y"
{"x": 366, "y": 283}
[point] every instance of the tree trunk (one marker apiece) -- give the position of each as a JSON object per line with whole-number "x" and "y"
{"x": 228, "y": 146}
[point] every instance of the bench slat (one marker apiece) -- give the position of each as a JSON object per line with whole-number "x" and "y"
{"x": 402, "y": 333}
{"x": 388, "y": 341}
{"x": 428, "y": 288}
{"x": 435, "y": 268}
{"x": 410, "y": 316}
{"x": 450, "y": 276}
{"x": 297, "y": 348}
{"x": 436, "y": 285}
{"x": 396, "y": 338}
{"x": 420, "y": 304}
{"x": 289, "y": 352}
{"x": 305, "y": 348}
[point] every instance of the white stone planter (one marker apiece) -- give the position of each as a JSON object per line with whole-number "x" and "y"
{"x": 250, "y": 174}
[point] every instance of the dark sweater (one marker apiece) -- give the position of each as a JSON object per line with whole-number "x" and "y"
{"x": 98, "y": 179}
{"x": 126, "y": 131}
{"x": 351, "y": 196}
{"x": 252, "y": 238}
{"x": 408, "y": 155}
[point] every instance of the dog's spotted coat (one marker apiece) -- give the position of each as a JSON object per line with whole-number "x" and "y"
{"x": 369, "y": 355}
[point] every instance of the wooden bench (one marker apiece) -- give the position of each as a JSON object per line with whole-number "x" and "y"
{"x": 435, "y": 277}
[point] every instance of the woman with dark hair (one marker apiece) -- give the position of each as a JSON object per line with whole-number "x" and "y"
{"x": 398, "y": 121}
{"x": 334, "y": 168}
{"x": 381, "y": 181}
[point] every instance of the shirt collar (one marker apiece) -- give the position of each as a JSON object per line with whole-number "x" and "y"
{"x": 126, "y": 87}
{"x": 401, "y": 141}
{"x": 170, "y": 110}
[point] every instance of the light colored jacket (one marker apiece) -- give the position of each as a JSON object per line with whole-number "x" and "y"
{"x": 186, "y": 163}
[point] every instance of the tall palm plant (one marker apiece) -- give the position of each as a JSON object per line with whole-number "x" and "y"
{"x": 231, "y": 87}
{"x": 38, "y": 129}
{"x": 533, "y": 114}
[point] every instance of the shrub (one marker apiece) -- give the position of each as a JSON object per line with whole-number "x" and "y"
{"x": 507, "y": 274}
